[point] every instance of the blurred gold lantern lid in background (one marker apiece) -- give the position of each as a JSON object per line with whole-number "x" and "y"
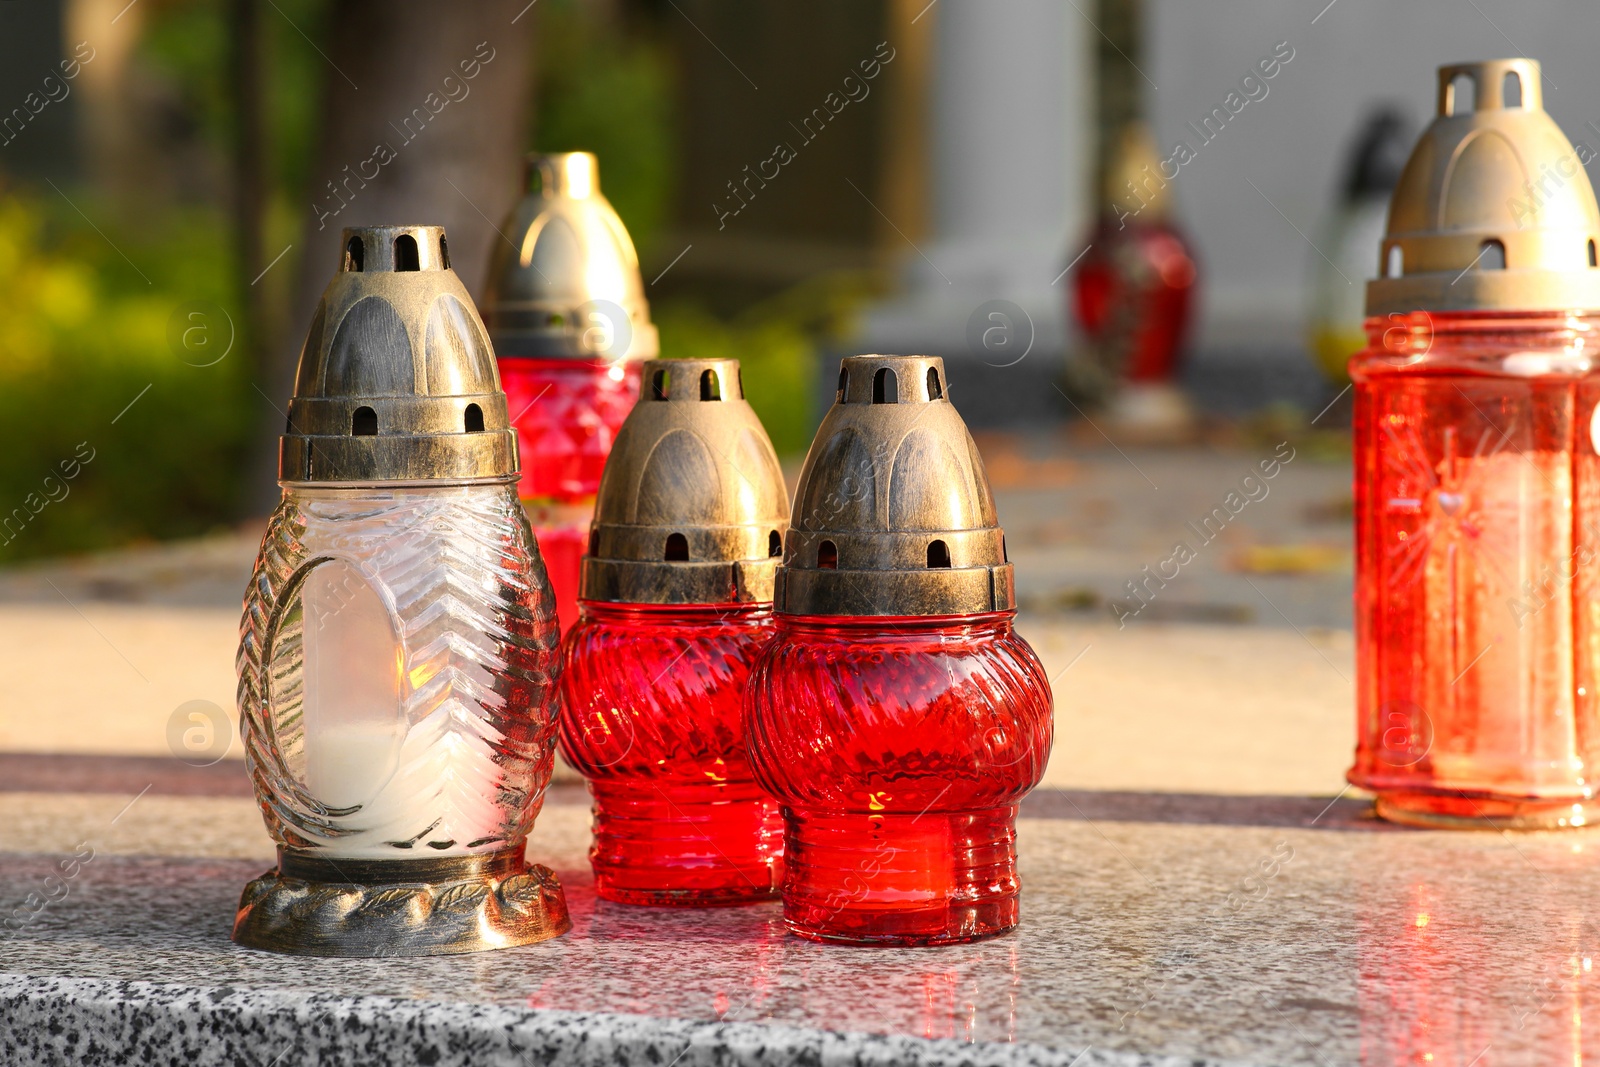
{"x": 569, "y": 286}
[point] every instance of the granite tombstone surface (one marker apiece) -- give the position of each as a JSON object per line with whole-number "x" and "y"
{"x": 1200, "y": 928}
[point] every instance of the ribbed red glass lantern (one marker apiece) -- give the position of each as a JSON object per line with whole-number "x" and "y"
{"x": 676, "y": 605}
{"x": 897, "y": 715}
{"x": 1477, "y": 477}
{"x": 568, "y": 319}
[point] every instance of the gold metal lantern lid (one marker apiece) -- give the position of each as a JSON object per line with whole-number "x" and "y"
{"x": 691, "y": 507}
{"x": 893, "y": 514}
{"x": 1132, "y": 179}
{"x": 570, "y": 287}
{"x": 397, "y": 382}
{"x": 1494, "y": 209}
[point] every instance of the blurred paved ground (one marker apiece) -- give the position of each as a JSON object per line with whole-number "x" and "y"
{"x": 1080, "y": 528}
{"x": 1235, "y": 678}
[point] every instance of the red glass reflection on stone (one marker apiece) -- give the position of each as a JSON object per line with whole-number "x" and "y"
{"x": 566, "y": 413}
{"x": 1477, "y": 538}
{"x": 1457, "y": 969}
{"x": 650, "y": 715}
{"x": 899, "y": 748}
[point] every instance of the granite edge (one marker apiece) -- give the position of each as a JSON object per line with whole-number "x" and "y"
{"x": 90, "y": 1022}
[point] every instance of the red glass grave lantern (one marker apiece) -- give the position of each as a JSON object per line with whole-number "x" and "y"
{"x": 1132, "y": 293}
{"x": 897, "y": 716}
{"x": 676, "y": 604}
{"x": 568, "y": 319}
{"x": 1477, "y": 478}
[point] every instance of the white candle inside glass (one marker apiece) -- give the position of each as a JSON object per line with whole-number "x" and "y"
{"x": 354, "y": 715}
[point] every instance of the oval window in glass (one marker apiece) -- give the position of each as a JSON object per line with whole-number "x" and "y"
{"x": 336, "y": 691}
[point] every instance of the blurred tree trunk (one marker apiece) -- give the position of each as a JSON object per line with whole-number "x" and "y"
{"x": 115, "y": 148}
{"x": 258, "y": 331}
{"x": 425, "y": 111}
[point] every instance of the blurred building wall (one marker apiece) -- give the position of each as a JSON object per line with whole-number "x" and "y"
{"x": 803, "y": 136}
{"x": 1254, "y": 197}
{"x": 1009, "y": 162}
{"x": 1255, "y": 267}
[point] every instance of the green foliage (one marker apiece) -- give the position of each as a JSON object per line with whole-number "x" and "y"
{"x": 186, "y": 43}
{"x": 605, "y": 92}
{"x": 296, "y": 72}
{"x": 777, "y": 362}
{"x": 87, "y": 318}
{"x": 778, "y": 344}
{"x": 85, "y": 332}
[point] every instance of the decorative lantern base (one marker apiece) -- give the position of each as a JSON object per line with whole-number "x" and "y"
{"x": 433, "y": 906}
{"x": 1460, "y": 810}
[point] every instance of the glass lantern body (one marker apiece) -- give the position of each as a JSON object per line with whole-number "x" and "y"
{"x": 396, "y": 661}
{"x": 567, "y": 413}
{"x": 899, "y": 749}
{"x": 651, "y": 716}
{"x": 1477, "y": 533}
{"x": 1132, "y": 294}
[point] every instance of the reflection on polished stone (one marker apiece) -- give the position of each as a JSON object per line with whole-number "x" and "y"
{"x": 739, "y": 964}
{"x": 1454, "y": 974}
{"x": 1254, "y": 929}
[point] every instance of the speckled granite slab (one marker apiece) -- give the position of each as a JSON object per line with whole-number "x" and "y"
{"x": 93, "y": 1022}
{"x": 1164, "y": 929}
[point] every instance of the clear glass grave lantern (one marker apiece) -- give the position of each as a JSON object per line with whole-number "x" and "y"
{"x": 896, "y": 714}
{"x": 1477, "y": 476}
{"x": 398, "y": 647}
{"x": 677, "y": 603}
{"x": 567, "y": 315}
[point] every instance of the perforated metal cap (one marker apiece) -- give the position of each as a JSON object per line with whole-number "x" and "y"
{"x": 570, "y": 288}
{"x": 692, "y": 507}
{"x": 893, "y": 514}
{"x": 1494, "y": 209}
{"x": 397, "y": 382}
